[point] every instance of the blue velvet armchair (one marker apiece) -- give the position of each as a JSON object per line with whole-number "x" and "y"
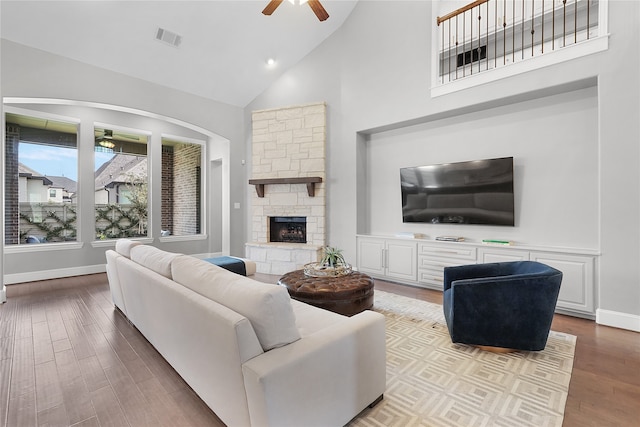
{"x": 507, "y": 305}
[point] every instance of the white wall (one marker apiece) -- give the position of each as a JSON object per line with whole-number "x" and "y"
{"x": 374, "y": 74}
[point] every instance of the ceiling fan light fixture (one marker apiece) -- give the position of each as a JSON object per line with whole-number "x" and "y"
{"x": 298, "y": 1}
{"x": 106, "y": 143}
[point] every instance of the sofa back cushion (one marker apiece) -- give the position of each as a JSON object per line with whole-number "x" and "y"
{"x": 267, "y": 306}
{"x": 123, "y": 246}
{"x": 154, "y": 259}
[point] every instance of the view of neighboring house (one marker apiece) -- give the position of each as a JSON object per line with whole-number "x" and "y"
{"x": 62, "y": 189}
{"x": 34, "y": 187}
{"x": 114, "y": 176}
{"x": 112, "y": 179}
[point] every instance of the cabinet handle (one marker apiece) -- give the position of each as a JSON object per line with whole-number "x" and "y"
{"x": 436, "y": 263}
{"x": 440, "y": 251}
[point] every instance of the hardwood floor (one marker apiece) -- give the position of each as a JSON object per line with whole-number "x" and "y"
{"x": 67, "y": 357}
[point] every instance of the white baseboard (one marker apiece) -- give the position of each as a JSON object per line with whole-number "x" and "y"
{"x": 31, "y": 276}
{"x": 618, "y": 320}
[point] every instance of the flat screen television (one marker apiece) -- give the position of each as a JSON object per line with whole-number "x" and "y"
{"x": 473, "y": 192}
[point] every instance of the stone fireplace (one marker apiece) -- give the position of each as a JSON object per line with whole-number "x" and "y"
{"x": 288, "y": 174}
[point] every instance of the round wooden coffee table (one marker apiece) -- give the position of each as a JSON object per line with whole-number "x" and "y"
{"x": 347, "y": 295}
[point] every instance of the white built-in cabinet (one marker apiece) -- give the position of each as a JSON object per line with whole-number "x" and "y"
{"x": 421, "y": 263}
{"x": 393, "y": 259}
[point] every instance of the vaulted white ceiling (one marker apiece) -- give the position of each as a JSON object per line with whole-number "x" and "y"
{"x": 224, "y": 48}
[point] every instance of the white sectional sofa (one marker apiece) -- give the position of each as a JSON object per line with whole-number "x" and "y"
{"x": 255, "y": 356}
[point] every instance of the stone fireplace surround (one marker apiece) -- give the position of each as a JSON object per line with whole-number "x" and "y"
{"x": 287, "y": 143}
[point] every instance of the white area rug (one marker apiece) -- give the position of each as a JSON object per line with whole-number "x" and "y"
{"x": 433, "y": 382}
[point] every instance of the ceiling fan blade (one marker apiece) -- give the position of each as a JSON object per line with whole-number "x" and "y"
{"x": 271, "y": 7}
{"x": 318, "y": 10}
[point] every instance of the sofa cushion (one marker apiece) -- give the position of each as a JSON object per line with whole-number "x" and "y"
{"x": 154, "y": 259}
{"x": 268, "y": 307}
{"x": 123, "y": 246}
{"x": 311, "y": 320}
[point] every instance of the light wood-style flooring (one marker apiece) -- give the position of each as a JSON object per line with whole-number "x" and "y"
{"x": 67, "y": 357}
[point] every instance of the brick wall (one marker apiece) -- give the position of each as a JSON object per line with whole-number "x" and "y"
{"x": 186, "y": 189}
{"x": 289, "y": 142}
{"x": 167, "y": 188}
{"x": 11, "y": 218}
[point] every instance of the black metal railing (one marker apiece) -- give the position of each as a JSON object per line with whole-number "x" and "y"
{"x": 488, "y": 34}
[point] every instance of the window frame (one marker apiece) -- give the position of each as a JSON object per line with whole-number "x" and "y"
{"x": 217, "y": 152}
{"x": 204, "y": 189}
{"x": 149, "y": 148}
{"x": 37, "y": 247}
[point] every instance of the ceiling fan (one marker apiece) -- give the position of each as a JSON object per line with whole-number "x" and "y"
{"x": 313, "y": 4}
{"x": 107, "y": 137}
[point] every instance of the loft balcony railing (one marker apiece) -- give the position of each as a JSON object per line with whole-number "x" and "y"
{"x": 489, "y": 34}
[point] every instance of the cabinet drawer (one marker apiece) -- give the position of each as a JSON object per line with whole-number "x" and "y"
{"x": 440, "y": 263}
{"x": 431, "y": 270}
{"x": 430, "y": 277}
{"x": 448, "y": 251}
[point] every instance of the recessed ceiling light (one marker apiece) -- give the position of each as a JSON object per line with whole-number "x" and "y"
{"x": 271, "y": 62}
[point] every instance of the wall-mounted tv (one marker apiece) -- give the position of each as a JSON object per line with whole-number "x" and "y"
{"x": 474, "y": 192}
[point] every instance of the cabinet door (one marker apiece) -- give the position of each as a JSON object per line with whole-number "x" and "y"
{"x": 401, "y": 260}
{"x": 371, "y": 255}
{"x": 576, "y": 290}
{"x": 488, "y": 254}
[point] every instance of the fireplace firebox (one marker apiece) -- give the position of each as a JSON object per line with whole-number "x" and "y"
{"x": 291, "y": 229}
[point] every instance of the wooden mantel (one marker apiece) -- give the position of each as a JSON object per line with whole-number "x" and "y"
{"x": 309, "y": 180}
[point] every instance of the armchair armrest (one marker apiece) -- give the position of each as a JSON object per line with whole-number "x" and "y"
{"x": 471, "y": 271}
{"x": 342, "y": 368}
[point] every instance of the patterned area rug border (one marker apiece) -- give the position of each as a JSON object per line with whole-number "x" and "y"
{"x": 434, "y": 382}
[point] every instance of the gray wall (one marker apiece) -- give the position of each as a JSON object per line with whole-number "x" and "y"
{"x": 555, "y": 147}
{"x": 374, "y": 74}
{"x": 28, "y": 72}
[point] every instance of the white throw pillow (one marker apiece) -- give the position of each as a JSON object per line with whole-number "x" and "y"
{"x": 123, "y": 246}
{"x": 154, "y": 259}
{"x": 267, "y": 306}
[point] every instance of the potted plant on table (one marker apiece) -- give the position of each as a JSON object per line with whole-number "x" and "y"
{"x": 332, "y": 264}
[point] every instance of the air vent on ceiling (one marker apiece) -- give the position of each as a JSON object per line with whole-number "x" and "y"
{"x": 168, "y": 37}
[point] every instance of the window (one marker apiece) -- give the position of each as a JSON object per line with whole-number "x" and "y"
{"x": 41, "y": 169}
{"x": 181, "y": 188}
{"x": 121, "y": 184}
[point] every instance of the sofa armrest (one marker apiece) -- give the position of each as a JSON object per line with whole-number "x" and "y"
{"x": 323, "y": 379}
{"x": 114, "y": 281}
